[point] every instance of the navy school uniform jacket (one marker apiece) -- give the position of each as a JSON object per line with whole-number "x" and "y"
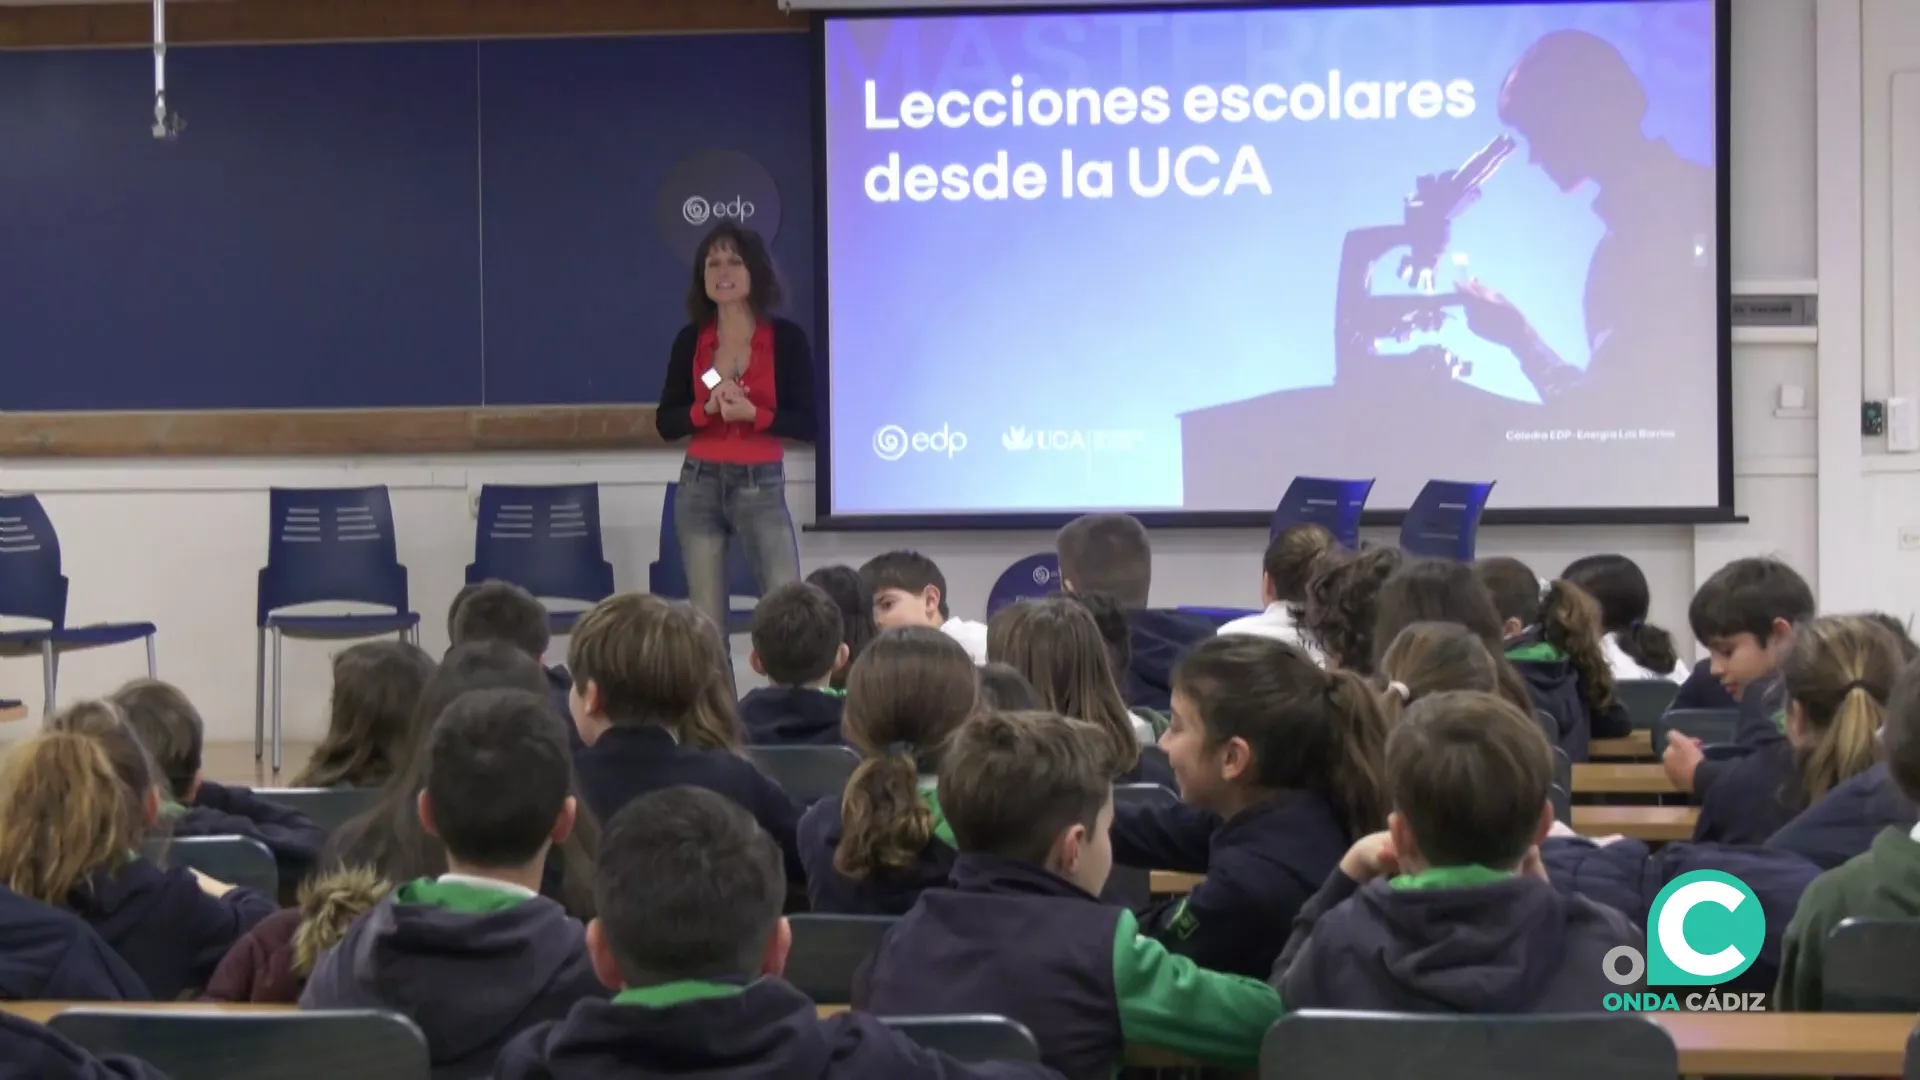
{"x": 1454, "y": 940}
{"x": 29, "y": 1051}
{"x": 1763, "y": 719}
{"x": 1843, "y": 824}
{"x": 560, "y": 686}
{"x": 1626, "y": 875}
{"x": 1161, "y": 636}
{"x": 633, "y": 758}
{"x": 793, "y": 716}
{"x": 829, "y": 892}
{"x": 168, "y": 930}
{"x": 219, "y": 810}
{"x": 1555, "y": 686}
{"x": 51, "y": 955}
{"x": 1261, "y": 867}
{"x": 472, "y": 966}
{"x": 1011, "y": 939}
{"x": 763, "y": 1030}
{"x": 1750, "y": 797}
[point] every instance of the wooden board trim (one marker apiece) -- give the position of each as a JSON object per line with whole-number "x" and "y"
{"x": 327, "y": 432}
{"x": 231, "y": 22}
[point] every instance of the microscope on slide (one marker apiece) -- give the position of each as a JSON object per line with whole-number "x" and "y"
{"x": 1363, "y": 320}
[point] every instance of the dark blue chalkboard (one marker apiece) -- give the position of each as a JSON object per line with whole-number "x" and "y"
{"x": 372, "y": 225}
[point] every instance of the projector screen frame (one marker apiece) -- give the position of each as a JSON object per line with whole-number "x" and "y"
{"x": 825, "y": 520}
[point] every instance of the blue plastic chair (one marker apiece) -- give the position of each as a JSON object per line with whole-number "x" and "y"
{"x": 547, "y": 541}
{"x": 1444, "y": 520}
{"x": 32, "y": 587}
{"x": 1314, "y": 500}
{"x": 667, "y": 575}
{"x": 1029, "y": 579}
{"x": 326, "y": 545}
{"x": 363, "y": 1044}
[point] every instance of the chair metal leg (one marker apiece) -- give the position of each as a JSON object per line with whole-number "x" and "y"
{"x": 153, "y": 666}
{"x": 278, "y": 672}
{"x": 259, "y": 693}
{"x": 49, "y": 679}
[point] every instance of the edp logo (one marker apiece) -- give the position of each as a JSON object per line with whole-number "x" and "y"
{"x": 698, "y": 210}
{"x": 1705, "y": 929}
{"x": 893, "y": 442}
{"x": 709, "y": 187}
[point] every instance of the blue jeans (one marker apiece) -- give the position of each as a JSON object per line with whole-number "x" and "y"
{"x": 716, "y": 503}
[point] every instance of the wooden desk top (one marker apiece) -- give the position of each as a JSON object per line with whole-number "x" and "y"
{"x": 1637, "y": 745}
{"x": 1620, "y": 778}
{"x": 9, "y": 713}
{"x": 1789, "y": 1044}
{"x": 1174, "y": 883}
{"x": 1639, "y": 822}
{"x": 42, "y": 1011}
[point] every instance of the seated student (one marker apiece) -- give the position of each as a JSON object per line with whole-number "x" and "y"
{"x": 47, "y": 954}
{"x": 1004, "y": 689}
{"x": 1837, "y": 676}
{"x": 1285, "y": 572}
{"x": 1343, "y": 603}
{"x": 1056, "y": 644}
{"x": 1702, "y": 689}
{"x": 1111, "y": 620}
{"x": 1429, "y": 658}
{"x": 32, "y": 1052}
{"x": 1844, "y": 824}
{"x": 171, "y": 729}
{"x": 270, "y": 965}
{"x": 1634, "y": 647}
{"x": 856, "y": 614}
{"x": 1469, "y": 922}
{"x": 1110, "y": 553}
{"x": 1440, "y": 590}
{"x": 376, "y": 685}
{"x": 797, "y": 646}
{"x": 1745, "y": 615}
{"x": 908, "y": 589}
{"x": 655, "y": 708}
{"x": 872, "y": 851}
{"x": 388, "y": 838}
{"x": 476, "y": 955}
{"x": 690, "y": 934}
{"x": 1881, "y": 883}
{"x": 1022, "y": 933}
{"x": 1279, "y": 768}
{"x": 502, "y": 611}
{"x": 76, "y": 802}
{"x": 1552, "y": 639}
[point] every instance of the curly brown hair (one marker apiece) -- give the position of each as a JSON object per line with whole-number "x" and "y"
{"x": 1341, "y": 599}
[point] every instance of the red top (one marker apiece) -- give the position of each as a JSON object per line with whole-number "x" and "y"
{"x": 737, "y": 442}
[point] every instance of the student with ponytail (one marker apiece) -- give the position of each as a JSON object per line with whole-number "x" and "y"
{"x": 1430, "y": 658}
{"x": 1279, "y": 763}
{"x": 1552, "y": 636}
{"x": 1634, "y": 647}
{"x": 1838, "y": 676}
{"x": 76, "y": 803}
{"x": 1343, "y": 598}
{"x": 874, "y": 849}
{"x": 1442, "y": 591}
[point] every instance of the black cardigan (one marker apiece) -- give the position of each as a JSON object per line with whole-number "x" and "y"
{"x": 793, "y": 410}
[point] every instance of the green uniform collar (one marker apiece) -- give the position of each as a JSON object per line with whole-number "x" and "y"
{"x": 1451, "y": 877}
{"x": 676, "y": 993}
{"x": 458, "y": 896}
{"x": 1538, "y": 652}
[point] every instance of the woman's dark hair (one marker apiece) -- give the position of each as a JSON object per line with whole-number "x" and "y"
{"x": 1617, "y": 585}
{"x": 763, "y": 283}
{"x": 376, "y": 691}
{"x": 1055, "y": 642}
{"x": 857, "y": 628}
{"x": 1562, "y": 613}
{"x": 1439, "y": 590}
{"x": 388, "y": 838}
{"x": 1309, "y": 729}
{"x": 1342, "y": 596}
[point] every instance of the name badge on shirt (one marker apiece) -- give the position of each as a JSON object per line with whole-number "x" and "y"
{"x": 711, "y": 379}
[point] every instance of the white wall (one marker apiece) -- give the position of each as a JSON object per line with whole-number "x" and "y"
{"x": 180, "y": 543}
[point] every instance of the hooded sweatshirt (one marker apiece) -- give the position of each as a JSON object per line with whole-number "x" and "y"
{"x": 473, "y": 965}
{"x": 793, "y": 716}
{"x": 1884, "y": 883}
{"x": 51, "y": 955}
{"x": 1161, "y": 636}
{"x": 763, "y": 1030}
{"x": 1451, "y": 940}
{"x": 1845, "y": 822}
{"x": 29, "y": 1051}
{"x": 1556, "y": 688}
{"x": 168, "y": 930}
{"x": 829, "y": 892}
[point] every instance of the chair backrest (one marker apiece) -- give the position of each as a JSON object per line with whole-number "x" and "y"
{"x": 1029, "y": 579}
{"x": 1549, "y": 725}
{"x": 828, "y": 949}
{"x": 807, "y": 773}
{"x": 236, "y": 860}
{"x": 328, "y": 808}
{"x": 331, "y": 544}
{"x": 1912, "y": 1071}
{"x": 545, "y": 539}
{"x": 1711, "y": 725}
{"x": 289, "y": 1045}
{"x": 1645, "y": 699}
{"x": 1336, "y": 504}
{"x": 969, "y": 1038}
{"x": 1872, "y": 965}
{"x": 1444, "y": 519}
{"x": 1133, "y": 885}
{"x": 1315, "y": 1045}
{"x": 31, "y": 584}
